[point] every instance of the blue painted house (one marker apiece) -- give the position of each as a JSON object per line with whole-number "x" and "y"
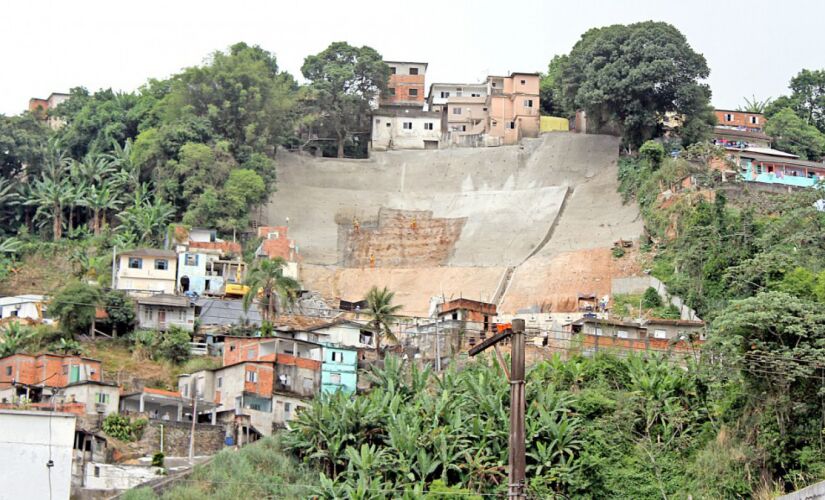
{"x": 339, "y": 370}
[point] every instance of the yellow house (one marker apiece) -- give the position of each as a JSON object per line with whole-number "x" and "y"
{"x": 146, "y": 271}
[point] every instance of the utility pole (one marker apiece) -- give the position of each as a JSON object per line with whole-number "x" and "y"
{"x": 437, "y": 348}
{"x": 517, "y": 403}
{"x": 194, "y": 419}
{"x": 516, "y": 449}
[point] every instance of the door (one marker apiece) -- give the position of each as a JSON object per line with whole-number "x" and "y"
{"x": 162, "y": 319}
{"x": 74, "y": 374}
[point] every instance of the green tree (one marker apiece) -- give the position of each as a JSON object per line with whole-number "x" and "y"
{"x": 75, "y": 305}
{"x": 13, "y": 338}
{"x": 754, "y": 105}
{"x": 101, "y": 199}
{"x": 382, "y": 313}
{"x": 267, "y": 282}
{"x": 146, "y": 219}
{"x": 252, "y": 107}
{"x": 175, "y": 345}
{"x": 120, "y": 312}
{"x": 550, "y": 89}
{"x": 344, "y": 80}
{"x": 653, "y": 152}
{"x": 790, "y": 133}
{"x": 808, "y": 91}
{"x": 51, "y": 192}
{"x": 23, "y": 141}
{"x": 651, "y": 298}
{"x": 631, "y": 75}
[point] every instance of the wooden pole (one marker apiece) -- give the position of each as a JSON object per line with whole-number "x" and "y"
{"x": 517, "y": 403}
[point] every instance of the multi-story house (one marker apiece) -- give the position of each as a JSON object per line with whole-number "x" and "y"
{"x": 267, "y": 379}
{"x": 440, "y": 93}
{"x": 740, "y": 120}
{"x": 40, "y": 108}
{"x": 405, "y": 86}
{"x": 146, "y": 271}
{"x": 339, "y": 371}
{"x": 405, "y": 128}
{"x": 513, "y": 107}
{"x": 276, "y": 243}
{"x": 36, "y": 378}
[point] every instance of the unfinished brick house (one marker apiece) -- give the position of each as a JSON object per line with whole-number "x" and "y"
{"x": 35, "y": 377}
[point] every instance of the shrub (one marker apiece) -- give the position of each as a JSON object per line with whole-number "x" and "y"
{"x": 123, "y": 428}
{"x": 175, "y": 345}
{"x": 653, "y": 152}
{"x": 157, "y": 459}
{"x": 651, "y": 298}
{"x": 74, "y": 305}
{"x": 618, "y": 252}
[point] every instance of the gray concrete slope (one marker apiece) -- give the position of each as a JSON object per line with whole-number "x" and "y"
{"x": 509, "y": 195}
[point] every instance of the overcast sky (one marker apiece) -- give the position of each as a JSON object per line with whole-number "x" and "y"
{"x": 752, "y": 47}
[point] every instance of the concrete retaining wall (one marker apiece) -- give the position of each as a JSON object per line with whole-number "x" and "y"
{"x": 638, "y": 284}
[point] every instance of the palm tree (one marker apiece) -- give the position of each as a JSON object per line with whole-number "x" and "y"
{"x": 50, "y": 196}
{"x": 94, "y": 168}
{"x": 382, "y": 313}
{"x": 99, "y": 199}
{"x": 267, "y": 278}
{"x": 146, "y": 219}
{"x": 754, "y": 105}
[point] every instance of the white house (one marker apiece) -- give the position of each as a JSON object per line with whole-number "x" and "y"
{"x": 405, "y": 129}
{"x": 23, "y": 306}
{"x": 36, "y": 454}
{"x": 146, "y": 271}
{"x": 441, "y": 92}
{"x": 99, "y": 397}
{"x": 161, "y": 311}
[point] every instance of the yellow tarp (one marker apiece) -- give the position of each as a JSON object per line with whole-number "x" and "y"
{"x": 554, "y": 124}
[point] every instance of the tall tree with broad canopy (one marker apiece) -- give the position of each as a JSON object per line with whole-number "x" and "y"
{"x": 790, "y": 133}
{"x": 629, "y": 76}
{"x": 343, "y": 81}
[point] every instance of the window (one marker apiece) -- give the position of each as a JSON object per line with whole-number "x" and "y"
{"x": 621, "y": 334}
{"x": 660, "y": 334}
{"x": 251, "y": 376}
{"x": 190, "y": 259}
{"x": 523, "y": 82}
{"x": 389, "y": 124}
{"x": 599, "y": 331}
{"x": 65, "y": 370}
{"x": 161, "y": 264}
{"x": 413, "y": 71}
{"x": 475, "y": 95}
{"x": 445, "y": 95}
{"x": 307, "y": 384}
{"x": 407, "y": 125}
{"x": 456, "y": 111}
{"x": 135, "y": 263}
{"x": 219, "y": 383}
{"x": 510, "y": 125}
{"x": 413, "y": 92}
{"x": 8, "y": 371}
{"x": 528, "y": 103}
{"x": 428, "y": 126}
{"x": 337, "y": 357}
{"x": 485, "y": 109}
{"x": 459, "y": 93}
{"x": 231, "y": 347}
{"x": 754, "y": 120}
{"x": 464, "y": 128}
{"x": 728, "y": 117}
{"x": 185, "y": 390}
{"x": 335, "y": 378}
{"x": 391, "y": 90}
{"x": 97, "y": 471}
{"x": 102, "y": 398}
{"x": 392, "y": 70}
{"x": 287, "y": 407}
{"x": 15, "y": 313}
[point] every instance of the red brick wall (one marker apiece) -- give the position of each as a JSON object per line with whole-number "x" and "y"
{"x": 22, "y": 370}
{"x": 264, "y": 385}
{"x": 230, "y": 356}
{"x": 740, "y": 119}
{"x": 402, "y": 85}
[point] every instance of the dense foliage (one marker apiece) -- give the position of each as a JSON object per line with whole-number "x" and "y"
{"x": 797, "y": 122}
{"x": 601, "y": 427}
{"x": 626, "y": 77}
{"x": 123, "y": 428}
{"x": 753, "y": 264}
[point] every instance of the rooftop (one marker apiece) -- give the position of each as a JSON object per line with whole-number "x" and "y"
{"x": 406, "y": 62}
{"x": 406, "y": 112}
{"x": 21, "y": 299}
{"x": 148, "y": 252}
{"x": 164, "y": 299}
